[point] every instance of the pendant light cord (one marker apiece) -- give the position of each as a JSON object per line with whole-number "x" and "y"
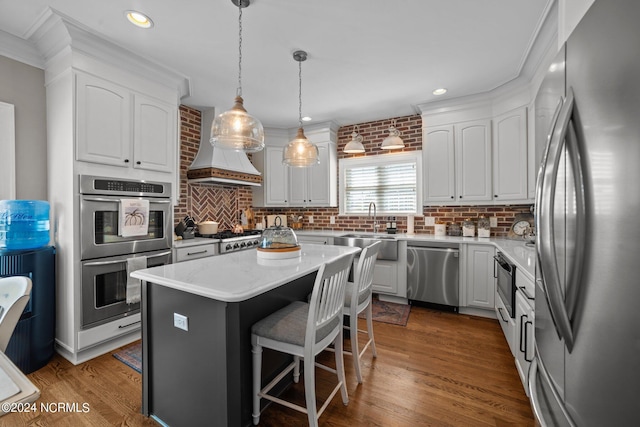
{"x": 300, "y": 93}
{"x": 239, "y": 91}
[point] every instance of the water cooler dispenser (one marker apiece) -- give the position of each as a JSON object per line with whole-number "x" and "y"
{"x": 24, "y": 236}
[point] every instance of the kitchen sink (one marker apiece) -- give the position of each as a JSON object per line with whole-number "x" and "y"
{"x": 388, "y": 245}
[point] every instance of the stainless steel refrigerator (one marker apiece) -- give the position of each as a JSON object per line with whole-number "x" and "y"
{"x": 587, "y": 306}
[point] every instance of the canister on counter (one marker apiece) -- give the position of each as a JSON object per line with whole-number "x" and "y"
{"x": 484, "y": 228}
{"x": 468, "y": 228}
{"x": 454, "y": 229}
{"x": 440, "y": 228}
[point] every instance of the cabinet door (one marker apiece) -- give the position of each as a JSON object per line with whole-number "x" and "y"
{"x": 524, "y": 341}
{"x": 277, "y": 182}
{"x": 473, "y": 160}
{"x": 298, "y": 185}
{"x": 154, "y": 136}
{"x": 320, "y": 180}
{"x": 103, "y": 122}
{"x": 439, "y": 164}
{"x": 510, "y": 156}
{"x": 481, "y": 284}
{"x": 385, "y": 277}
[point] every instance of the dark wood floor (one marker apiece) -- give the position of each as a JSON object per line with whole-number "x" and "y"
{"x": 442, "y": 369}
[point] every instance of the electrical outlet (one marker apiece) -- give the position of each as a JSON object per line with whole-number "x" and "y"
{"x": 332, "y": 220}
{"x": 180, "y": 321}
{"x": 310, "y": 219}
{"x": 493, "y": 221}
{"x": 429, "y": 220}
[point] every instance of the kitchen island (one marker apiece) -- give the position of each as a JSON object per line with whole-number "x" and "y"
{"x": 196, "y": 330}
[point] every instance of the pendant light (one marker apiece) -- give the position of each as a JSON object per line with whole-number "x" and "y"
{"x": 236, "y": 129}
{"x": 300, "y": 152}
{"x": 355, "y": 145}
{"x": 392, "y": 141}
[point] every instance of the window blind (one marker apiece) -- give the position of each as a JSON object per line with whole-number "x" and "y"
{"x": 391, "y": 186}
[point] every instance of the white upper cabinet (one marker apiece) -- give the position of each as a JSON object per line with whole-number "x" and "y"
{"x": 473, "y": 165}
{"x": 276, "y": 178}
{"x": 118, "y": 127}
{"x": 103, "y": 122}
{"x": 510, "y": 156}
{"x": 457, "y": 162}
{"x": 439, "y": 164}
{"x": 154, "y": 136}
{"x": 314, "y": 186}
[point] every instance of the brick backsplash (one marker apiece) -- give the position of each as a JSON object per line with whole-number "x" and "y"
{"x": 223, "y": 203}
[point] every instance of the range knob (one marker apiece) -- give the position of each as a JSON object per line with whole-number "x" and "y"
{"x": 243, "y": 245}
{"x": 228, "y": 247}
{"x": 249, "y": 244}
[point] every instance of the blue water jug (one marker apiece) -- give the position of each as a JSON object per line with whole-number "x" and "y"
{"x": 24, "y": 224}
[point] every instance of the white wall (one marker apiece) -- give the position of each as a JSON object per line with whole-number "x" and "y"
{"x": 23, "y": 86}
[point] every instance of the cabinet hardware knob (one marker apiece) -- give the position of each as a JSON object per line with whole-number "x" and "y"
{"x": 126, "y": 160}
{"x": 138, "y": 162}
{"x": 495, "y": 195}
{"x": 461, "y": 197}
{"x": 452, "y": 197}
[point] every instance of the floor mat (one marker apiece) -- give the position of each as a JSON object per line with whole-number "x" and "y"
{"x": 389, "y": 312}
{"x": 131, "y": 356}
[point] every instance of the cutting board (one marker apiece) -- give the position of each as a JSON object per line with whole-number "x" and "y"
{"x": 272, "y": 218}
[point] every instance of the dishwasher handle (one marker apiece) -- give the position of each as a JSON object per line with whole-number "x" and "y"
{"x": 456, "y": 252}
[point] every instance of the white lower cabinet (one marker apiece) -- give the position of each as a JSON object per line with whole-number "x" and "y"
{"x": 480, "y": 281}
{"x": 194, "y": 252}
{"x": 321, "y": 240}
{"x": 385, "y": 277}
{"x": 525, "y": 342}
{"x": 507, "y": 323}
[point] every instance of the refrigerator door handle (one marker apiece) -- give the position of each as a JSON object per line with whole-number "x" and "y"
{"x": 538, "y": 366}
{"x": 546, "y": 250}
{"x": 573, "y": 284}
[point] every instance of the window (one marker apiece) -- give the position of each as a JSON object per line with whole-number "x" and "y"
{"x": 392, "y": 181}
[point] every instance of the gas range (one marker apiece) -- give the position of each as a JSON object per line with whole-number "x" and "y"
{"x": 232, "y": 242}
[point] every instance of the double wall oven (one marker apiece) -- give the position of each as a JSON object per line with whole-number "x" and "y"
{"x": 105, "y": 253}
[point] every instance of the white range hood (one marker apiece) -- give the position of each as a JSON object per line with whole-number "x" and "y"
{"x": 218, "y": 165}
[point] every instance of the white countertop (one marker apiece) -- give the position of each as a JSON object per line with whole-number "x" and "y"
{"x": 524, "y": 257}
{"x": 238, "y": 276}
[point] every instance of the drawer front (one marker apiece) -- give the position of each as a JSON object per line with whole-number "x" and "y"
{"x": 195, "y": 252}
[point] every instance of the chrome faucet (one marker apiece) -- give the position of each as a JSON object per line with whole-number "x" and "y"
{"x": 375, "y": 217}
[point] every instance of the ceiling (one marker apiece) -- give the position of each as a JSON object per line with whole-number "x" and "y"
{"x": 367, "y": 59}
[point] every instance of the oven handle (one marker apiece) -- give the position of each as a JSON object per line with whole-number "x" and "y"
{"x": 117, "y": 200}
{"x": 121, "y": 261}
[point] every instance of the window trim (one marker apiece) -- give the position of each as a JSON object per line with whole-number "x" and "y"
{"x": 383, "y": 159}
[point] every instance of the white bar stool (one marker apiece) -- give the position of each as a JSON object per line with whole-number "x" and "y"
{"x": 304, "y": 330}
{"x": 358, "y": 299}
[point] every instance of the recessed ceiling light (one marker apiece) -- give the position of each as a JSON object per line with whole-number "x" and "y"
{"x": 306, "y": 119}
{"x": 440, "y": 91}
{"x": 138, "y": 19}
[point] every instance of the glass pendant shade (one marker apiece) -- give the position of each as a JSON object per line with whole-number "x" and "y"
{"x": 300, "y": 152}
{"x": 355, "y": 145}
{"x": 237, "y": 130}
{"x": 393, "y": 141}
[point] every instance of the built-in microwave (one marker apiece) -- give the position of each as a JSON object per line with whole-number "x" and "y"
{"x": 505, "y": 272}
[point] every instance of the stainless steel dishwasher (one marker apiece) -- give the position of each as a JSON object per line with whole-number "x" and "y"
{"x": 433, "y": 274}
